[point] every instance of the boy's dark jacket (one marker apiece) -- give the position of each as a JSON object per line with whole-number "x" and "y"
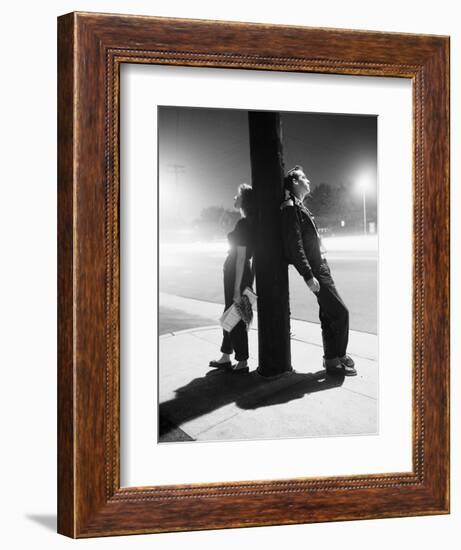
{"x": 301, "y": 240}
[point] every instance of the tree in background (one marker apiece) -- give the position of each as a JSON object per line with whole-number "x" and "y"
{"x": 338, "y": 209}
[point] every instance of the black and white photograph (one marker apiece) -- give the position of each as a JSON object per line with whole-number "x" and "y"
{"x": 229, "y": 235}
{"x": 268, "y": 274}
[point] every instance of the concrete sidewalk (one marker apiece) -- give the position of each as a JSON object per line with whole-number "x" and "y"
{"x": 199, "y": 403}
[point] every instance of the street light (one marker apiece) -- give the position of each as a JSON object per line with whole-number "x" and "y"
{"x": 364, "y": 184}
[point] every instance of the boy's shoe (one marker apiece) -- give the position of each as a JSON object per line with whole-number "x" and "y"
{"x": 340, "y": 366}
{"x": 347, "y": 361}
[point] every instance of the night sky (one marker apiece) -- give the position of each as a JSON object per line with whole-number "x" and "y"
{"x": 204, "y": 154}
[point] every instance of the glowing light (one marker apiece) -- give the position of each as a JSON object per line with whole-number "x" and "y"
{"x": 203, "y": 247}
{"x": 364, "y": 183}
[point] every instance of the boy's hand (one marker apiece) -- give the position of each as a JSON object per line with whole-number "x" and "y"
{"x": 313, "y": 285}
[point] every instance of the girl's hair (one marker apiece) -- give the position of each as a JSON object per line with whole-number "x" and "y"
{"x": 248, "y": 199}
{"x": 291, "y": 177}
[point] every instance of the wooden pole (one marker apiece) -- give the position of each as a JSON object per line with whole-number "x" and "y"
{"x": 270, "y": 265}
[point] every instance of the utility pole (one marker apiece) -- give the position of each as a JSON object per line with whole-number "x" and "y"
{"x": 177, "y": 170}
{"x": 271, "y": 266}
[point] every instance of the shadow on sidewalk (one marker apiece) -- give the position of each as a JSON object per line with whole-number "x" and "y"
{"x": 219, "y": 388}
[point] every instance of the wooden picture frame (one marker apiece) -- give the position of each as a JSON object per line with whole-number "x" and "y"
{"x": 92, "y": 47}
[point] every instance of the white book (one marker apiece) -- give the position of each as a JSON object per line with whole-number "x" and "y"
{"x": 231, "y": 316}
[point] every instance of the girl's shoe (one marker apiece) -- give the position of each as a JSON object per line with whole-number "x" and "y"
{"x": 239, "y": 368}
{"x": 220, "y": 365}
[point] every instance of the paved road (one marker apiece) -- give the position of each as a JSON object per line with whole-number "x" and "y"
{"x": 195, "y": 273}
